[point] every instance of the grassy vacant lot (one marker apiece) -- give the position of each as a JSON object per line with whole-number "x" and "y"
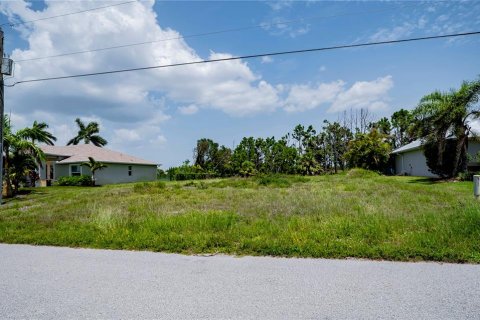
{"x": 358, "y": 214}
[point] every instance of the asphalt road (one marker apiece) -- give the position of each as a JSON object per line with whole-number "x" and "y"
{"x": 59, "y": 283}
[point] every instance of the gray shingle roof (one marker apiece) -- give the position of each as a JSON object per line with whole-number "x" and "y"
{"x": 80, "y": 153}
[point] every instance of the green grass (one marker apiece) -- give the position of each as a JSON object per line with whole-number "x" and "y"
{"x": 357, "y": 214}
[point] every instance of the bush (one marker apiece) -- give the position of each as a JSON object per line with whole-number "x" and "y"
{"x": 76, "y": 181}
{"x": 368, "y": 151}
{"x": 466, "y": 176}
{"x": 187, "y": 172}
{"x": 149, "y": 187}
{"x": 275, "y": 181}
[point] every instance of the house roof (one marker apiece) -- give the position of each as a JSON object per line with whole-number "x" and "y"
{"x": 414, "y": 145}
{"x": 417, "y": 144}
{"x": 80, "y": 153}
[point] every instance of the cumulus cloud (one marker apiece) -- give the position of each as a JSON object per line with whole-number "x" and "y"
{"x": 124, "y": 99}
{"x": 364, "y": 94}
{"x": 159, "y": 140}
{"x": 307, "y": 97}
{"x": 372, "y": 95}
{"x": 126, "y": 135}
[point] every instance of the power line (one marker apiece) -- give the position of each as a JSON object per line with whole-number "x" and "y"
{"x": 65, "y": 14}
{"x": 250, "y": 57}
{"x": 262, "y": 25}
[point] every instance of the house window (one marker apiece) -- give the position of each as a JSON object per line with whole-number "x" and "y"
{"x": 75, "y": 170}
{"x": 129, "y": 170}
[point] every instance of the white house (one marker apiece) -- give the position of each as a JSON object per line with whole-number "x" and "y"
{"x": 64, "y": 161}
{"x": 411, "y": 161}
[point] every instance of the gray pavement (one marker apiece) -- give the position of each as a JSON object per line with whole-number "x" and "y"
{"x": 59, "y": 283}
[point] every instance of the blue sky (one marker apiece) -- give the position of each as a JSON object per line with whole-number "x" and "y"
{"x": 158, "y": 115}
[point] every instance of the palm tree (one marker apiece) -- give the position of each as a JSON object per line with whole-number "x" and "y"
{"x": 38, "y": 132}
{"x": 20, "y": 155}
{"x": 87, "y": 133}
{"x": 441, "y": 115}
{"x": 94, "y": 166}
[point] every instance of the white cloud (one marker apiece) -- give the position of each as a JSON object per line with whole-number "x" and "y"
{"x": 279, "y": 26}
{"x": 443, "y": 17}
{"x": 159, "y": 140}
{"x": 364, "y": 94}
{"x": 279, "y": 5}
{"x": 132, "y": 106}
{"x": 126, "y": 135}
{"x": 372, "y": 95}
{"x": 63, "y": 132}
{"x": 307, "y": 97}
{"x": 18, "y": 121}
{"x": 231, "y": 87}
{"x": 267, "y": 59}
{"x": 388, "y": 34}
{"x": 188, "y": 110}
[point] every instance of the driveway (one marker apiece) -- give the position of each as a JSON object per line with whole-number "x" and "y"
{"x": 57, "y": 283}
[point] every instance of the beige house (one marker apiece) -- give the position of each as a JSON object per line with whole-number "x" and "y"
{"x": 64, "y": 161}
{"x": 410, "y": 160}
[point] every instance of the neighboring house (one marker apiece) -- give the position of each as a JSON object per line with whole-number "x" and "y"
{"x": 410, "y": 160}
{"x": 64, "y": 161}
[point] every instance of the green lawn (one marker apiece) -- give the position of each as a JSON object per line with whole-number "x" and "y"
{"x": 356, "y": 214}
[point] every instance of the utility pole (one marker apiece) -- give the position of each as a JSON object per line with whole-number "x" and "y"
{"x": 1, "y": 115}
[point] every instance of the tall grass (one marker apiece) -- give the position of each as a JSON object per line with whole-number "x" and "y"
{"x": 357, "y": 214}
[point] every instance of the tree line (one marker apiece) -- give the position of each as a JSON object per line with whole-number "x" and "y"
{"x": 442, "y": 121}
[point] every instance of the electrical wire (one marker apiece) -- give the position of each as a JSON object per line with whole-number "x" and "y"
{"x": 262, "y": 25}
{"x": 65, "y": 14}
{"x": 250, "y": 57}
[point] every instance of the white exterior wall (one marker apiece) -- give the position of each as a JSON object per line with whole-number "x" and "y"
{"x": 412, "y": 163}
{"x": 113, "y": 173}
{"x": 118, "y": 173}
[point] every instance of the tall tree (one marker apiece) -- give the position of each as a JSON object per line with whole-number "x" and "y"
{"x": 336, "y": 138}
{"x": 383, "y": 126}
{"x": 401, "y": 124}
{"x": 19, "y": 156}
{"x": 88, "y": 133}
{"x": 447, "y": 115}
{"x": 368, "y": 151}
{"x": 38, "y": 132}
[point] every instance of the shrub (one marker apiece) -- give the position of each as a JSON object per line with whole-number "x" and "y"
{"x": 161, "y": 185}
{"x": 76, "y": 181}
{"x": 368, "y": 151}
{"x": 275, "y": 181}
{"x": 187, "y": 172}
{"x": 146, "y": 187}
{"x": 466, "y": 176}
